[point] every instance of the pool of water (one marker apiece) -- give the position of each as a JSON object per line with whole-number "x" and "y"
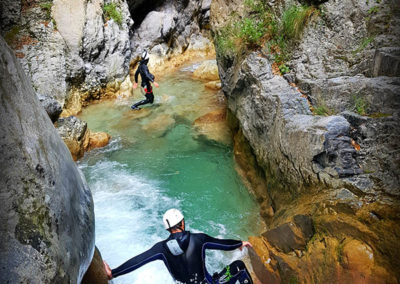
{"x": 157, "y": 161}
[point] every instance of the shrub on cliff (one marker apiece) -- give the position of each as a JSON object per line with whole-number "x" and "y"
{"x": 260, "y": 26}
{"x": 111, "y": 12}
{"x": 295, "y": 19}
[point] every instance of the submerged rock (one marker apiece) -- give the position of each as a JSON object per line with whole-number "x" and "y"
{"x": 159, "y": 125}
{"x": 213, "y": 125}
{"x": 47, "y": 232}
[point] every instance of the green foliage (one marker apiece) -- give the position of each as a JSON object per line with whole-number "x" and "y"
{"x": 293, "y": 280}
{"x": 261, "y": 25}
{"x": 360, "y": 105}
{"x": 255, "y": 6}
{"x": 247, "y": 31}
{"x": 251, "y": 31}
{"x": 322, "y": 109}
{"x": 339, "y": 251}
{"x": 47, "y": 7}
{"x": 379, "y": 115}
{"x": 295, "y": 18}
{"x": 373, "y": 10}
{"x": 54, "y": 23}
{"x": 12, "y": 34}
{"x": 112, "y": 12}
{"x": 284, "y": 69}
{"x": 226, "y": 41}
{"x": 364, "y": 43}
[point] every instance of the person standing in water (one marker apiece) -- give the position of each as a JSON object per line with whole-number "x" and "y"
{"x": 183, "y": 253}
{"x": 146, "y": 77}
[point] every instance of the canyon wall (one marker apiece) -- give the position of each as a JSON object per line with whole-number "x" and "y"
{"x": 47, "y": 231}
{"x": 70, "y": 50}
{"x": 339, "y": 168}
{"x": 77, "y": 51}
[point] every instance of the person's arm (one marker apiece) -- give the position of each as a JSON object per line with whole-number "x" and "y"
{"x": 221, "y": 244}
{"x": 135, "y": 262}
{"x": 137, "y": 75}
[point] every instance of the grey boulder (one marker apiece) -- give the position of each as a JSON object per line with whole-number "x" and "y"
{"x": 46, "y": 215}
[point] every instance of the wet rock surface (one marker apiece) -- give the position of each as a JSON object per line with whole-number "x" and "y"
{"x": 78, "y": 137}
{"x": 342, "y": 168}
{"x": 96, "y": 273}
{"x": 47, "y": 234}
{"x": 293, "y": 235}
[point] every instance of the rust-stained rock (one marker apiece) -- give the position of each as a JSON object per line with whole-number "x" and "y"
{"x": 98, "y": 139}
{"x": 261, "y": 262}
{"x": 78, "y": 137}
{"x": 96, "y": 273}
{"x": 358, "y": 256}
{"x": 214, "y": 116}
{"x": 358, "y": 259}
{"x": 214, "y": 85}
{"x": 75, "y": 135}
{"x": 290, "y": 236}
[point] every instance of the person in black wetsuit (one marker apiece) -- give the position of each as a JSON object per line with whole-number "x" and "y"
{"x": 183, "y": 253}
{"x": 147, "y": 77}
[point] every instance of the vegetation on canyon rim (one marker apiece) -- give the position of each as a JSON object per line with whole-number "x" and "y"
{"x": 262, "y": 27}
{"x": 111, "y": 11}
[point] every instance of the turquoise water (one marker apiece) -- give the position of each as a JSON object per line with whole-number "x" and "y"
{"x": 157, "y": 161}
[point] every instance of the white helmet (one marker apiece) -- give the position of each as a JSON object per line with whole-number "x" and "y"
{"x": 145, "y": 55}
{"x": 172, "y": 217}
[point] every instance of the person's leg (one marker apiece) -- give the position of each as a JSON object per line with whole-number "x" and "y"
{"x": 236, "y": 271}
{"x": 142, "y": 102}
{"x": 150, "y": 97}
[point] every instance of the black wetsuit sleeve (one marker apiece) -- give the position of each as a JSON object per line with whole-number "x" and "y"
{"x": 155, "y": 253}
{"x": 221, "y": 244}
{"x": 137, "y": 75}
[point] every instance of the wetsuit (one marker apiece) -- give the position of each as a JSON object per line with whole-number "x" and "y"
{"x": 147, "y": 77}
{"x": 183, "y": 254}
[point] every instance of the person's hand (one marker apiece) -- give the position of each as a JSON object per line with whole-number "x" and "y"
{"x": 108, "y": 270}
{"x": 156, "y": 84}
{"x": 135, "y": 85}
{"x": 246, "y": 244}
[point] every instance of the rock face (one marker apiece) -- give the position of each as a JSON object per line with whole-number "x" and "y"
{"x": 69, "y": 46}
{"x": 96, "y": 273}
{"x": 208, "y": 70}
{"x": 167, "y": 28}
{"x": 47, "y": 232}
{"x": 78, "y": 137}
{"x": 342, "y": 169}
{"x": 52, "y": 107}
